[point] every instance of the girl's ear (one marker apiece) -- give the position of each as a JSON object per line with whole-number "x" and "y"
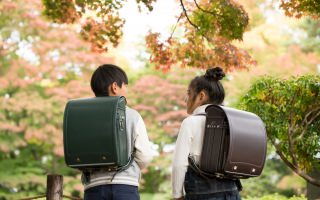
{"x": 203, "y": 97}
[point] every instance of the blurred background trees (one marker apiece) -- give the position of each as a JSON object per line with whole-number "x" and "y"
{"x": 49, "y": 50}
{"x": 43, "y": 64}
{"x": 291, "y": 111}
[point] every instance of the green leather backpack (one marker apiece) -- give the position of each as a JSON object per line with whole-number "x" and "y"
{"x": 94, "y": 133}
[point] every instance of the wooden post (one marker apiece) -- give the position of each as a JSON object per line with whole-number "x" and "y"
{"x": 54, "y": 187}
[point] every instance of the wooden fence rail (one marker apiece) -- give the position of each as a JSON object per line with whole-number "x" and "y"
{"x": 54, "y": 189}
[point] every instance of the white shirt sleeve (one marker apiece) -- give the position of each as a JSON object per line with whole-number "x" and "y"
{"x": 143, "y": 152}
{"x": 180, "y": 158}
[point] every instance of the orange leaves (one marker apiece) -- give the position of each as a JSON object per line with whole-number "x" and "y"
{"x": 208, "y": 29}
{"x": 90, "y": 32}
{"x": 100, "y": 22}
{"x": 147, "y": 3}
{"x": 231, "y": 57}
{"x": 206, "y": 40}
{"x": 61, "y": 11}
{"x": 197, "y": 52}
{"x": 203, "y": 24}
{"x": 300, "y": 8}
{"x": 100, "y": 34}
{"x": 161, "y": 53}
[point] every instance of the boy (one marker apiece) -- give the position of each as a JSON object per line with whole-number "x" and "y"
{"x": 110, "y": 80}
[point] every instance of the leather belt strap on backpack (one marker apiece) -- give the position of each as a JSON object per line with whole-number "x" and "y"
{"x": 87, "y": 172}
{"x": 121, "y": 169}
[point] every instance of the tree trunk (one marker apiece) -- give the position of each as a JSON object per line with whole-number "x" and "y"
{"x": 54, "y": 187}
{"x": 313, "y": 192}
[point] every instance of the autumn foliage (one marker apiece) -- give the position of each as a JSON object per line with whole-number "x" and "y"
{"x": 38, "y": 76}
{"x": 300, "y": 8}
{"x": 207, "y": 29}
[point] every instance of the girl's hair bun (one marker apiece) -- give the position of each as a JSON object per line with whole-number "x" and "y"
{"x": 215, "y": 73}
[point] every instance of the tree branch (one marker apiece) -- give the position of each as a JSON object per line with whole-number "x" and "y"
{"x": 174, "y": 28}
{"x": 295, "y": 168}
{"x": 203, "y": 10}
{"x": 186, "y": 14}
{"x": 290, "y": 132}
{"x": 291, "y": 143}
{"x": 306, "y": 123}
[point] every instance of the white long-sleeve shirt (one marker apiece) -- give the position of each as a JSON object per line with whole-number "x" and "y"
{"x": 189, "y": 141}
{"x": 142, "y": 156}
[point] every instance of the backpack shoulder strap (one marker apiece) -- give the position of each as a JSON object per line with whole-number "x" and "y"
{"x": 196, "y": 168}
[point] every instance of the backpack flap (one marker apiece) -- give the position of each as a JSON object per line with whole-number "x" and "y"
{"x": 94, "y": 133}
{"x": 248, "y": 144}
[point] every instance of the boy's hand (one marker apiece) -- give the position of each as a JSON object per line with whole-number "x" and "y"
{"x": 181, "y": 198}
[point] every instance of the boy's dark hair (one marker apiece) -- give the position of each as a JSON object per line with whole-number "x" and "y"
{"x": 210, "y": 83}
{"x": 104, "y": 76}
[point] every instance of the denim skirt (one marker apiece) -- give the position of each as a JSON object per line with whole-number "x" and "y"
{"x": 198, "y": 187}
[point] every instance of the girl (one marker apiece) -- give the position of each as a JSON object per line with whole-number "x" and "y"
{"x": 203, "y": 90}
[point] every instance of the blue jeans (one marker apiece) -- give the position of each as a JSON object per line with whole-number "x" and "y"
{"x": 112, "y": 192}
{"x": 202, "y": 188}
